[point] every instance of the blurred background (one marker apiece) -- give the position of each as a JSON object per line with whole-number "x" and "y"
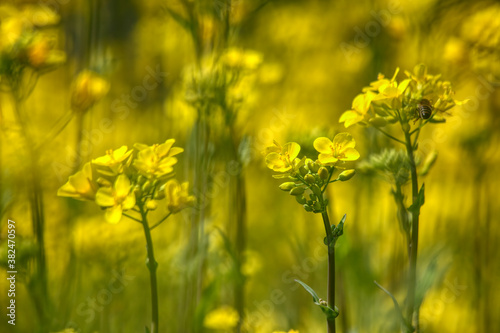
{"x": 228, "y": 264}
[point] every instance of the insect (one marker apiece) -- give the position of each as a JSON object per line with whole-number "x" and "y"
{"x": 424, "y": 109}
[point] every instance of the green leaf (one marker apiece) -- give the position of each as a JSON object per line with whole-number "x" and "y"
{"x": 415, "y": 207}
{"x": 309, "y": 290}
{"x": 328, "y": 311}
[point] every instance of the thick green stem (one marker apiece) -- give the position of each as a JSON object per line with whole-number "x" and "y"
{"x": 413, "y": 246}
{"x": 331, "y": 269}
{"x": 152, "y": 265}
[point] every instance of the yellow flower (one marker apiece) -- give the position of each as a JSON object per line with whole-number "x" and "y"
{"x": 242, "y": 59}
{"x": 341, "y": 149}
{"x": 80, "y": 186}
{"x": 281, "y": 159}
{"x": 88, "y": 88}
{"x": 157, "y": 160}
{"x": 117, "y": 199}
{"x": 223, "y": 318}
{"x": 177, "y": 196}
{"x": 360, "y": 106}
{"x": 115, "y": 160}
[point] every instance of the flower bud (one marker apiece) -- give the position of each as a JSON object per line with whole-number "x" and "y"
{"x": 323, "y": 173}
{"x": 317, "y": 206}
{"x": 316, "y": 190}
{"x": 297, "y": 191}
{"x": 300, "y": 199}
{"x": 390, "y": 119}
{"x": 314, "y": 167}
{"x": 308, "y": 208}
{"x": 303, "y": 171}
{"x": 405, "y": 127}
{"x": 88, "y": 88}
{"x": 309, "y": 179}
{"x": 287, "y": 186}
{"x": 346, "y": 175}
{"x": 151, "y": 205}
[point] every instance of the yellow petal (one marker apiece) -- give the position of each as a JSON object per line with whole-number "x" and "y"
{"x": 273, "y": 159}
{"x": 350, "y": 118}
{"x": 164, "y": 148}
{"x": 122, "y": 186}
{"x": 104, "y": 197}
{"x": 350, "y": 154}
{"x": 403, "y": 85}
{"x": 113, "y": 214}
{"x": 327, "y": 159}
{"x": 175, "y": 151}
{"x": 129, "y": 202}
{"x": 323, "y": 145}
{"x": 292, "y": 149}
{"x": 344, "y": 140}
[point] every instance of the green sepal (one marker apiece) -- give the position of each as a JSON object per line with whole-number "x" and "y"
{"x": 328, "y": 311}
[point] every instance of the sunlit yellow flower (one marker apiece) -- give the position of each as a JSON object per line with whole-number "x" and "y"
{"x": 177, "y": 196}
{"x": 88, "y": 88}
{"x": 280, "y": 158}
{"x": 341, "y": 149}
{"x": 115, "y": 160}
{"x": 117, "y": 199}
{"x": 223, "y": 318}
{"x": 360, "y": 106}
{"x": 80, "y": 186}
{"x": 157, "y": 160}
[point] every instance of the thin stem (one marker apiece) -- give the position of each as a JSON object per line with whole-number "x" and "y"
{"x": 331, "y": 269}
{"x": 390, "y": 136}
{"x": 412, "y": 274}
{"x": 152, "y": 265}
{"x": 132, "y": 218}
{"x": 161, "y": 221}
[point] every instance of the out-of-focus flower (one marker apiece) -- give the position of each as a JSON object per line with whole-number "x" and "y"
{"x": 223, "y": 318}
{"x": 80, "y": 186}
{"x": 281, "y": 159}
{"x": 117, "y": 199}
{"x": 158, "y": 160}
{"x": 177, "y": 196}
{"x": 88, "y": 88}
{"x": 341, "y": 149}
{"x": 290, "y": 331}
{"x": 115, "y": 160}
{"x": 242, "y": 59}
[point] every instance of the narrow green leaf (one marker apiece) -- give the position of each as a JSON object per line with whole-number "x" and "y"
{"x": 309, "y": 290}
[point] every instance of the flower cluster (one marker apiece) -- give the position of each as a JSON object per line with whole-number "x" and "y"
{"x": 131, "y": 179}
{"x": 88, "y": 88}
{"x": 388, "y": 101}
{"x": 309, "y": 179}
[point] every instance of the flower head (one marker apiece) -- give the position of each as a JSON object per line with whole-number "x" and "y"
{"x": 80, "y": 186}
{"x": 158, "y": 160}
{"x": 114, "y": 160}
{"x": 282, "y": 158}
{"x": 117, "y": 198}
{"x": 341, "y": 149}
{"x": 223, "y": 318}
{"x": 177, "y": 196}
{"x": 88, "y": 88}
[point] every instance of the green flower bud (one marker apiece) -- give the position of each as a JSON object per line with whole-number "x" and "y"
{"x": 390, "y": 119}
{"x": 313, "y": 166}
{"x": 317, "y": 206}
{"x": 309, "y": 179}
{"x": 378, "y": 122}
{"x": 303, "y": 171}
{"x": 309, "y": 163}
{"x": 151, "y": 204}
{"x": 308, "y": 208}
{"x": 316, "y": 190}
{"x": 146, "y": 186}
{"x": 300, "y": 199}
{"x": 346, "y": 175}
{"x": 323, "y": 173}
{"x": 287, "y": 186}
{"x": 405, "y": 127}
{"x": 297, "y": 191}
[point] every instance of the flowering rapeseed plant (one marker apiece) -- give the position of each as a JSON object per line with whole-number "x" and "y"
{"x": 131, "y": 183}
{"x": 308, "y": 181}
{"x": 420, "y": 97}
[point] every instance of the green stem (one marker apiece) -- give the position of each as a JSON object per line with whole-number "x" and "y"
{"x": 413, "y": 246}
{"x": 161, "y": 221}
{"x": 331, "y": 269}
{"x": 152, "y": 265}
{"x": 390, "y": 136}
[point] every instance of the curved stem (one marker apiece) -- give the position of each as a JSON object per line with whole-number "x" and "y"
{"x": 331, "y": 269}
{"x": 152, "y": 265}
{"x": 390, "y": 136}
{"x": 413, "y": 246}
